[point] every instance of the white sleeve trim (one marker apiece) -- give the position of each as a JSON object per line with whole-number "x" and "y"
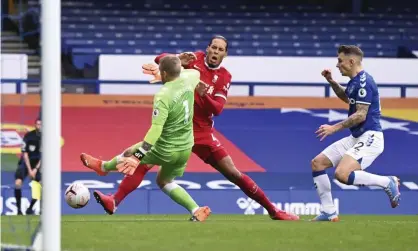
{"x": 220, "y": 95}
{"x": 362, "y": 102}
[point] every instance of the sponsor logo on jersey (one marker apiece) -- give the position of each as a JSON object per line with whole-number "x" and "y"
{"x": 215, "y": 78}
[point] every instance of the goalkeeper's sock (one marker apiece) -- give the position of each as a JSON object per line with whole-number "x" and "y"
{"x": 251, "y": 189}
{"x": 323, "y": 187}
{"x": 130, "y": 183}
{"x": 18, "y": 196}
{"x": 180, "y": 196}
{"x": 108, "y": 166}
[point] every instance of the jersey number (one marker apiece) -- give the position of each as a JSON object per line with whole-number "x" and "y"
{"x": 186, "y": 111}
{"x": 359, "y": 145}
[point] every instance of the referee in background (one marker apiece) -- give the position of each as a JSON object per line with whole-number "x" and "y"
{"x": 29, "y": 165}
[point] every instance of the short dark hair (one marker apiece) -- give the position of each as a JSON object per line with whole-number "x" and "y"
{"x": 219, "y": 37}
{"x": 351, "y": 50}
{"x": 171, "y": 64}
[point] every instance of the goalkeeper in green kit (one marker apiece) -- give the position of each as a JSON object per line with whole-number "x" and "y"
{"x": 168, "y": 142}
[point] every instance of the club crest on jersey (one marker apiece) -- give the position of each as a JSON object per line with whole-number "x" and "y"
{"x": 215, "y": 78}
{"x": 362, "y": 93}
{"x": 155, "y": 112}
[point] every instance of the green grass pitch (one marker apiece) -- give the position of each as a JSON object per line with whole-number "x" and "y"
{"x": 224, "y": 232}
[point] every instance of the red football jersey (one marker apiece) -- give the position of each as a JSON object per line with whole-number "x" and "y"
{"x": 219, "y": 80}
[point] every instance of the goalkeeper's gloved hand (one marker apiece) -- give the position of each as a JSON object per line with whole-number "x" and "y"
{"x": 127, "y": 165}
{"x": 151, "y": 69}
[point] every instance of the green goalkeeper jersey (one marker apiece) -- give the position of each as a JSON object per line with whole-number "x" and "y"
{"x": 172, "y": 116}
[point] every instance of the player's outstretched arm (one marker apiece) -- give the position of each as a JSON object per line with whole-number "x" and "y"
{"x": 338, "y": 89}
{"x": 356, "y": 118}
{"x": 130, "y": 163}
{"x": 159, "y": 57}
{"x": 151, "y": 69}
{"x": 185, "y": 57}
{"x": 214, "y": 105}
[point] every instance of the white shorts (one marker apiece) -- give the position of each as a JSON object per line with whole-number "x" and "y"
{"x": 364, "y": 149}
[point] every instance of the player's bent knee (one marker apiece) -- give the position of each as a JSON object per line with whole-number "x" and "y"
{"x": 314, "y": 165}
{"x": 347, "y": 165}
{"x": 342, "y": 175}
{"x": 162, "y": 183}
{"x": 320, "y": 163}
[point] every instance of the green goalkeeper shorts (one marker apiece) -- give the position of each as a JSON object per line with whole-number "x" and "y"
{"x": 171, "y": 164}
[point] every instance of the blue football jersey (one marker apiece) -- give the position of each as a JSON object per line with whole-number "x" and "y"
{"x": 363, "y": 90}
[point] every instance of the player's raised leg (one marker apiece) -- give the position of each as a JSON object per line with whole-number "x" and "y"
{"x": 93, "y": 164}
{"x": 251, "y": 189}
{"x": 165, "y": 180}
{"x": 351, "y": 172}
{"x": 323, "y": 186}
{"x": 365, "y": 149}
{"x": 222, "y": 162}
{"x": 129, "y": 184}
{"x": 102, "y": 167}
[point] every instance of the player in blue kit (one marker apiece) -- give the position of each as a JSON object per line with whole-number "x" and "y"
{"x": 353, "y": 154}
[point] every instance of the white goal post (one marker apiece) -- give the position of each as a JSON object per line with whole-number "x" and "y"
{"x": 51, "y": 124}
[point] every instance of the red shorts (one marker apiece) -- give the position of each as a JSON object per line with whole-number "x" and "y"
{"x": 209, "y": 149}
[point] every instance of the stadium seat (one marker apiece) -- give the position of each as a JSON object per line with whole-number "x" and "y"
{"x": 94, "y": 27}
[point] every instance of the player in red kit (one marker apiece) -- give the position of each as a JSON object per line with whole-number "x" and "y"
{"x": 211, "y": 103}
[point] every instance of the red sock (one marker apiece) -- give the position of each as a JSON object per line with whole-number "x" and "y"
{"x": 130, "y": 183}
{"x": 251, "y": 189}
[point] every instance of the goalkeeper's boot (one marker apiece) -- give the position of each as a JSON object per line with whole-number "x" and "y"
{"x": 107, "y": 201}
{"x": 201, "y": 214}
{"x": 93, "y": 163}
{"x": 392, "y": 190}
{"x": 333, "y": 217}
{"x": 283, "y": 215}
